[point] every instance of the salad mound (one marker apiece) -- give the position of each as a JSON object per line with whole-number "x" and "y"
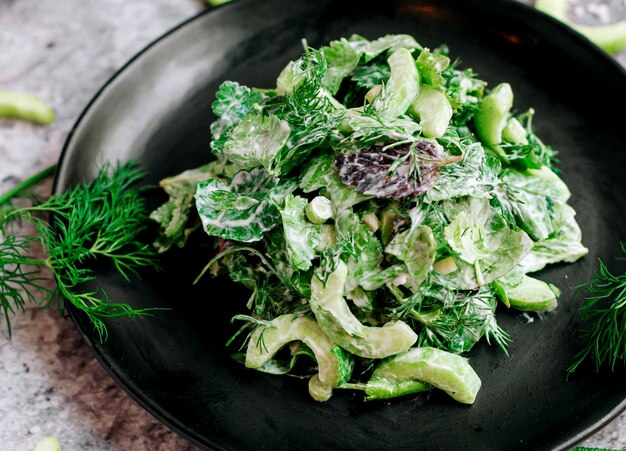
{"x": 378, "y": 202}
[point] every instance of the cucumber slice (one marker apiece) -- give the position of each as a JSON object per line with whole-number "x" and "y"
{"x": 444, "y": 370}
{"x": 339, "y": 323}
{"x": 48, "y": 444}
{"x": 402, "y": 87}
{"x": 530, "y": 295}
{"x": 433, "y": 110}
{"x": 492, "y": 115}
{"x": 514, "y": 132}
{"x": 265, "y": 342}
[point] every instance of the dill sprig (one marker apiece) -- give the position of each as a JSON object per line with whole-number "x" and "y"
{"x": 99, "y": 221}
{"x": 603, "y": 315}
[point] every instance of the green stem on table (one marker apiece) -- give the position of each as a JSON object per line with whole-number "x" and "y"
{"x": 28, "y": 183}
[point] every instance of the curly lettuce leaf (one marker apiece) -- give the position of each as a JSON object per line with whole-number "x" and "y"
{"x": 415, "y": 247}
{"x": 342, "y": 58}
{"x": 564, "y": 245}
{"x": 243, "y": 209}
{"x": 173, "y": 215}
{"x": 232, "y": 102}
{"x": 486, "y": 247}
{"x": 430, "y": 66}
{"x": 256, "y": 140}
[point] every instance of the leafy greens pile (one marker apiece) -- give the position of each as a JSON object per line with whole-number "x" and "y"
{"x": 378, "y": 203}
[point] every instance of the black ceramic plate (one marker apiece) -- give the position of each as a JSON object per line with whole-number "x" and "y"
{"x": 157, "y": 110}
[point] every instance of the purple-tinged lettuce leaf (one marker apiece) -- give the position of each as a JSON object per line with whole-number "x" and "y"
{"x": 403, "y": 171}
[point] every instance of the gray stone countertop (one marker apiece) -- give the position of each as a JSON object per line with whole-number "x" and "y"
{"x": 63, "y": 51}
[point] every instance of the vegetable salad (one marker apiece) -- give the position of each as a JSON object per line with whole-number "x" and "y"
{"x": 378, "y": 203}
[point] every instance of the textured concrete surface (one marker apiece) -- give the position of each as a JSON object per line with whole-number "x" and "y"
{"x": 63, "y": 51}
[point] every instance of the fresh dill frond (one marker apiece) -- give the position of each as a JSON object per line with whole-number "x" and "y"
{"x": 603, "y": 317}
{"x": 100, "y": 221}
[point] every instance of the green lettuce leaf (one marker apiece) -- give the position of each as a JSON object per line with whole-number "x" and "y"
{"x": 173, "y": 215}
{"x": 301, "y": 236}
{"x": 295, "y": 280}
{"x": 475, "y": 175}
{"x": 256, "y": 140}
{"x": 361, "y": 250}
{"x": 243, "y": 209}
{"x": 342, "y": 58}
{"x": 232, "y": 102}
{"x": 564, "y": 245}
{"x": 536, "y": 192}
{"x": 486, "y": 247}
{"x": 416, "y": 247}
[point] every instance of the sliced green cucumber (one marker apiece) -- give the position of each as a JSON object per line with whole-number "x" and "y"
{"x": 339, "y": 323}
{"x": 492, "y": 115}
{"x": 433, "y": 110}
{"x": 444, "y": 370}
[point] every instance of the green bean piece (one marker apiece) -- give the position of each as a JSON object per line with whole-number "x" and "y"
{"x": 16, "y": 105}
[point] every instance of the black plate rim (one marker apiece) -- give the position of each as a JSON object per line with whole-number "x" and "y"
{"x": 98, "y": 349}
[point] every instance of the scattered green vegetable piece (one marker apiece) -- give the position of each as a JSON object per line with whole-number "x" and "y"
{"x": 5, "y": 199}
{"x": 611, "y": 37}
{"x": 48, "y": 444}
{"x": 26, "y": 107}
{"x": 217, "y": 2}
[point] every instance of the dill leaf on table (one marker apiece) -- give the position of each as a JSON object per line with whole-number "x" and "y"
{"x": 99, "y": 221}
{"x": 603, "y": 314}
